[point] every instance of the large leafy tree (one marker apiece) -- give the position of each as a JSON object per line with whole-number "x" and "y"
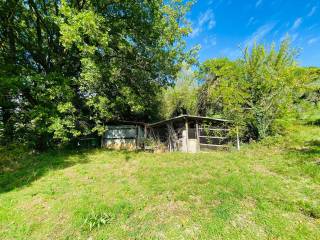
{"x": 255, "y": 91}
{"x": 67, "y": 67}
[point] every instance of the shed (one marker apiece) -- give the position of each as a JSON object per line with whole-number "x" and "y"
{"x": 124, "y": 135}
{"x": 189, "y": 133}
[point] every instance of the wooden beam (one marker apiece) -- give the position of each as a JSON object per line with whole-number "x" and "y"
{"x": 198, "y": 137}
{"x": 169, "y": 137}
{"x": 187, "y": 134}
{"x": 101, "y": 140}
{"x": 213, "y": 137}
{"x": 145, "y": 135}
{"x": 137, "y": 137}
{"x": 215, "y": 129}
{"x": 238, "y": 140}
{"x": 172, "y": 142}
{"x": 213, "y": 145}
{"x": 145, "y": 131}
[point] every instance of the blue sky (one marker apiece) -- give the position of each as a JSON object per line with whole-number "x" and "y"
{"x": 223, "y": 27}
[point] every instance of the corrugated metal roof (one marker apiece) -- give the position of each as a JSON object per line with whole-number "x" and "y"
{"x": 188, "y": 117}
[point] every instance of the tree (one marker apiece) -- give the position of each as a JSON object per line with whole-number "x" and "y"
{"x": 255, "y": 91}
{"x": 218, "y": 76}
{"x": 182, "y": 97}
{"x": 68, "y": 67}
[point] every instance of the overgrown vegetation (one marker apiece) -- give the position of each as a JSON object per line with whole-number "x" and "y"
{"x": 269, "y": 190}
{"x": 68, "y": 67}
{"x": 182, "y": 97}
{"x": 258, "y": 92}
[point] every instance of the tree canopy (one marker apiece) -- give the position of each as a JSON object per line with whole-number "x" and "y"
{"x": 182, "y": 97}
{"x": 255, "y": 91}
{"x": 67, "y": 67}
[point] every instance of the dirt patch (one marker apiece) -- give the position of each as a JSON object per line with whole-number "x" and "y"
{"x": 36, "y": 202}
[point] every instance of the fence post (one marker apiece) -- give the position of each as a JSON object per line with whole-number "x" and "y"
{"x": 238, "y": 140}
{"x": 187, "y": 135}
{"x": 198, "y": 138}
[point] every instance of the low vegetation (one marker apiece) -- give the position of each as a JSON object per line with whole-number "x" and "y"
{"x": 269, "y": 190}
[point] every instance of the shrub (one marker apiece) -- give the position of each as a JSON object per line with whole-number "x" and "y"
{"x": 254, "y": 91}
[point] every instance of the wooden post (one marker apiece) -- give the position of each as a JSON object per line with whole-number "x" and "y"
{"x": 102, "y": 138}
{"x": 169, "y": 137}
{"x": 145, "y": 131}
{"x": 187, "y": 135}
{"x": 198, "y": 138}
{"x": 145, "y": 136}
{"x": 137, "y": 137}
{"x": 172, "y": 132}
{"x": 238, "y": 140}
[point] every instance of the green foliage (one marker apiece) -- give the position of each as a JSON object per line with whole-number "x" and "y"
{"x": 182, "y": 97}
{"x": 68, "y": 67}
{"x": 311, "y": 91}
{"x": 97, "y": 220}
{"x": 99, "y": 215}
{"x": 219, "y": 79}
{"x": 255, "y": 91}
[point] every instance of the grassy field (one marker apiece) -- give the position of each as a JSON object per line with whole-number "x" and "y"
{"x": 269, "y": 190}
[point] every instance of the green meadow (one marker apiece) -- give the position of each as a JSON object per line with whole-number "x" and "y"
{"x": 268, "y": 190}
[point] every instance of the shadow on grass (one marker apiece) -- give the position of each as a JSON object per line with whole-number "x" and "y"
{"x": 309, "y": 152}
{"x": 19, "y": 168}
{"x": 311, "y": 148}
{"x": 314, "y": 122}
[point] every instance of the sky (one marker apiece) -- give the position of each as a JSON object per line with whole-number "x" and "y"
{"x": 224, "y": 27}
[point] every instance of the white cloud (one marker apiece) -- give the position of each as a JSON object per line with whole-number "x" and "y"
{"x": 212, "y": 24}
{"x": 296, "y": 23}
{"x": 195, "y": 32}
{"x": 258, "y": 3}
{"x": 210, "y": 41}
{"x": 258, "y": 35}
{"x": 312, "y": 11}
{"x": 250, "y": 21}
{"x": 293, "y": 37}
{"x": 313, "y": 40}
{"x": 206, "y": 19}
